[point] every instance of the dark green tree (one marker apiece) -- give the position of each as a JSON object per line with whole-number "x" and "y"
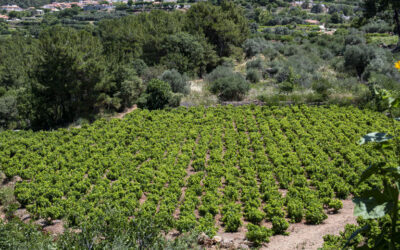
{"x": 224, "y": 26}
{"x": 157, "y": 96}
{"x": 188, "y": 53}
{"x": 70, "y": 66}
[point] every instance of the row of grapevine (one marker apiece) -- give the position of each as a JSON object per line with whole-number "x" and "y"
{"x": 214, "y": 169}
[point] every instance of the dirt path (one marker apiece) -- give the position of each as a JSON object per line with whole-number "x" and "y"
{"x": 196, "y": 85}
{"x": 127, "y": 111}
{"x": 310, "y": 236}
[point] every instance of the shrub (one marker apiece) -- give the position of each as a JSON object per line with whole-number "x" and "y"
{"x": 186, "y": 223}
{"x": 295, "y": 210}
{"x": 272, "y": 209}
{"x": 219, "y": 72}
{"x": 179, "y": 83}
{"x": 140, "y": 66}
{"x": 339, "y": 241}
{"x": 157, "y": 96}
{"x": 232, "y": 222}
{"x": 253, "y": 76}
{"x": 279, "y": 225}
{"x": 282, "y": 30}
{"x": 315, "y": 214}
{"x": 379, "y": 26}
{"x": 231, "y": 88}
{"x": 254, "y": 46}
{"x": 336, "y": 18}
{"x": 258, "y": 234}
{"x": 354, "y": 39}
{"x": 131, "y": 89}
{"x": 335, "y": 204}
{"x": 321, "y": 86}
{"x": 286, "y": 87}
{"x": 175, "y": 100}
{"x": 8, "y": 111}
{"x": 358, "y": 57}
{"x": 317, "y": 8}
{"x": 231, "y": 217}
{"x": 257, "y": 63}
{"x": 342, "y": 190}
{"x": 254, "y": 215}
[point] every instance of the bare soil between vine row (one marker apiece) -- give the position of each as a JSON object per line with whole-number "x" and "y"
{"x": 301, "y": 235}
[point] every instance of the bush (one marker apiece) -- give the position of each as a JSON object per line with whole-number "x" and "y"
{"x": 354, "y": 39}
{"x": 273, "y": 209}
{"x": 279, "y": 225}
{"x": 179, "y": 83}
{"x": 175, "y": 100}
{"x": 186, "y": 223}
{"x": 8, "y": 111}
{"x": 131, "y": 89}
{"x": 358, "y": 57}
{"x": 341, "y": 189}
{"x": 157, "y": 96}
{"x": 315, "y": 214}
{"x": 286, "y": 87}
{"x": 254, "y": 46}
{"x": 232, "y": 222}
{"x": 322, "y": 86}
{"x": 230, "y": 88}
{"x": 258, "y": 234}
{"x": 317, "y": 8}
{"x": 231, "y": 217}
{"x": 335, "y": 204}
{"x": 257, "y": 63}
{"x": 219, "y": 72}
{"x": 295, "y": 210}
{"x": 139, "y": 66}
{"x": 253, "y": 76}
{"x": 254, "y": 215}
{"x": 379, "y": 26}
{"x": 339, "y": 241}
{"x": 336, "y": 18}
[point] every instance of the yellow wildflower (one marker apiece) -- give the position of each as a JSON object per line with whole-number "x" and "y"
{"x": 397, "y": 65}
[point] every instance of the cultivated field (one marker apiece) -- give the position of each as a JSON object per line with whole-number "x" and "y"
{"x": 214, "y": 169}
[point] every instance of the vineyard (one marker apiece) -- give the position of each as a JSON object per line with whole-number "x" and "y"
{"x": 213, "y": 169}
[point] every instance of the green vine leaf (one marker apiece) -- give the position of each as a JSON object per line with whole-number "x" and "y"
{"x": 357, "y": 232}
{"x": 396, "y": 103}
{"x": 374, "y": 137}
{"x": 373, "y": 169}
{"x": 371, "y": 208}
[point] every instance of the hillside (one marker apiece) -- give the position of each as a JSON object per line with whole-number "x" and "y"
{"x": 215, "y": 169}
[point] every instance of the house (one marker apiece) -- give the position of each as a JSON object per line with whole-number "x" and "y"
{"x": 9, "y": 8}
{"x": 97, "y": 7}
{"x": 3, "y": 17}
{"x": 39, "y": 12}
